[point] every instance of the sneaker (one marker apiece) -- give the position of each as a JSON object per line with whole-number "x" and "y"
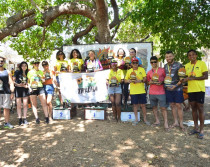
{"x": 8, "y": 126}
{"x": 20, "y": 121}
{"x": 37, "y": 121}
{"x": 134, "y": 123}
{"x": 47, "y": 120}
{"x": 25, "y": 122}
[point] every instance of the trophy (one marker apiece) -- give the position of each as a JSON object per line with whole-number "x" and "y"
{"x": 90, "y": 67}
{"x": 34, "y": 85}
{"x": 63, "y": 67}
{"x": 47, "y": 76}
{"x": 155, "y": 78}
{"x": 75, "y": 67}
{"x": 168, "y": 81}
{"x": 133, "y": 76}
{"x": 182, "y": 73}
{"x": 113, "y": 82}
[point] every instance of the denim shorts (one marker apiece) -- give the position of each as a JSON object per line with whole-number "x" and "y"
{"x": 114, "y": 90}
{"x": 49, "y": 89}
{"x": 155, "y": 99}
{"x": 174, "y": 96}
{"x": 138, "y": 99}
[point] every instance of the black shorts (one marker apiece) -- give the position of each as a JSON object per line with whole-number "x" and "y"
{"x": 21, "y": 92}
{"x": 38, "y": 91}
{"x": 197, "y": 97}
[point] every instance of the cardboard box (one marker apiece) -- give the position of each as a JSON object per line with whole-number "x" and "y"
{"x": 129, "y": 116}
{"x": 97, "y": 113}
{"x": 59, "y": 113}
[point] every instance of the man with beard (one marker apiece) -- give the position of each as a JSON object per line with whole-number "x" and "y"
{"x": 6, "y": 91}
{"x": 174, "y": 89}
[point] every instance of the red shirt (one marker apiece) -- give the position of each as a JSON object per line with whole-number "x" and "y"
{"x": 156, "y": 89}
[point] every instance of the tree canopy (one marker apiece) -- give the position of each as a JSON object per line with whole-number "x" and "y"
{"x": 37, "y": 27}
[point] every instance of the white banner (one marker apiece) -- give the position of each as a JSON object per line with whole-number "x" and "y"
{"x": 84, "y": 87}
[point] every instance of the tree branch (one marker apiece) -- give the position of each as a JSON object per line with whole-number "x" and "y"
{"x": 142, "y": 40}
{"x": 82, "y": 33}
{"x": 49, "y": 15}
{"x": 116, "y": 20}
{"x": 36, "y": 6}
{"x": 43, "y": 37}
{"x": 115, "y": 31}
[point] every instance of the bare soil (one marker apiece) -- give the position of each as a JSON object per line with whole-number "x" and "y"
{"x": 80, "y": 142}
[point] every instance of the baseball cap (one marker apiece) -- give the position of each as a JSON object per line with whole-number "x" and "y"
{"x": 134, "y": 59}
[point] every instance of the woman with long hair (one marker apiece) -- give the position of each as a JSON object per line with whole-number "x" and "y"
{"x": 76, "y": 62}
{"x": 21, "y": 92}
{"x": 93, "y": 64}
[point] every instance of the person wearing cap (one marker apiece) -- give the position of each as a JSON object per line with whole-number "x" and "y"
{"x": 6, "y": 92}
{"x": 136, "y": 76}
{"x": 49, "y": 77}
{"x": 61, "y": 66}
{"x": 35, "y": 82}
{"x": 115, "y": 77}
{"x": 155, "y": 78}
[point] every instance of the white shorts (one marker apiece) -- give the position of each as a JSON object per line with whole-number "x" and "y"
{"x": 5, "y": 101}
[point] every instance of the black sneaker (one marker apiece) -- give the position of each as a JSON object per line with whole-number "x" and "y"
{"x": 37, "y": 121}
{"x": 25, "y": 122}
{"x": 20, "y": 121}
{"x": 47, "y": 120}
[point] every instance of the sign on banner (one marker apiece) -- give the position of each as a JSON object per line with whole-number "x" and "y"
{"x": 84, "y": 87}
{"x": 129, "y": 116}
{"x": 95, "y": 114}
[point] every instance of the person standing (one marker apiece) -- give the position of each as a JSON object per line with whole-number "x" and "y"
{"x": 136, "y": 76}
{"x": 93, "y": 64}
{"x": 49, "y": 78}
{"x": 21, "y": 92}
{"x": 197, "y": 72}
{"x": 155, "y": 78}
{"x": 35, "y": 79}
{"x": 114, "y": 89}
{"x": 76, "y": 62}
{"x": 174, "y": 89}
{"x": 6, "y": 92}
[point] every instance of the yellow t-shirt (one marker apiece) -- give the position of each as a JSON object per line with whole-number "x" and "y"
{"x": 116, "y": 75}
{"x": 35, "y": 78}
{"x": 61, "y": 65}
{"x": 76, "y": 64}
{"x": 136, "y": 88}
{"x": 199, "y": 68}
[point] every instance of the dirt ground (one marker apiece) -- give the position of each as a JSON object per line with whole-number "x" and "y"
{"x": 80, "y": 142}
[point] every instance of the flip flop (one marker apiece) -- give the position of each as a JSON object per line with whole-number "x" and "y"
{"x": 200, "y": 136}
{"x": 192, "y": 132}
{"x": 156, "y": 124}
{"x": 173, "y": 126}
{"x": 167, "y": 129}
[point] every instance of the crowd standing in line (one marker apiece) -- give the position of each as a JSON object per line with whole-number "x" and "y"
{"x": 165, "y": 86}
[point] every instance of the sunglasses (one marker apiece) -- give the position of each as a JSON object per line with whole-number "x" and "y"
{"x": 135, "y": 63}
{"x": 1, "y": 61}
{"x": 153, "y": 62}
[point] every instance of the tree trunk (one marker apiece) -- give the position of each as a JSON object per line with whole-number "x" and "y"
{"x": 102, "y": 22}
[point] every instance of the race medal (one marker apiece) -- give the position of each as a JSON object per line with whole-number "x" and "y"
{"x": 155, "y": 78}
{"x": 113, "y": 82}
{"x": 182, "y": 73}
{"x": 1, "y": 85}
{"x": 75, "y": 67}
{"x": 192, "y": 74}
{"x": 47, "y": 76}
{"x": 133, "y": 76}
{"x": 63, "y": 67}
{"x": 90, "y": 67}
{"x": 34, "y": 85}
{"x": 127, "y": 61}
{"x": 168, "y": 81}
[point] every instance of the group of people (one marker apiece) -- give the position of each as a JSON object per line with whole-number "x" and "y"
{"x": 165, "y": 86}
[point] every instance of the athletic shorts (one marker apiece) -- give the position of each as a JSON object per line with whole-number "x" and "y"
{"x": 49, "y": 89}
{"x": 138, "y": 99}
{"x": 21, "y": 92}
{"x": 197, "y": 97}
{"x": 114, "y": 90}
{"x": 5, "y": 101}
{"x": 38, "y": 91}
{"x": 174, "y": 96}
{"x": 155, "y": 99}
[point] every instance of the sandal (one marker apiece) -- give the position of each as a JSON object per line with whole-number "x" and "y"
{"x": 192, "y": 132}
{"x": 200, "y": 136}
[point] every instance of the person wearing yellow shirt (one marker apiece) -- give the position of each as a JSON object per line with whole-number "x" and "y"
{"x": 136, "y": 76}
{"x": 60, "y": 66}
{"x": 76, "y": 62}
{"x": 114, "y": 89}
{"x": 197, "y": 72}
